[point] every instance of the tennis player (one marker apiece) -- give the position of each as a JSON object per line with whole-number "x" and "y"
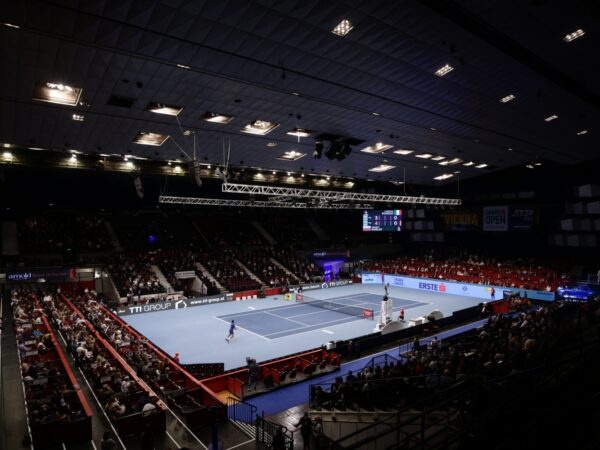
{"x": 231, "y": 331}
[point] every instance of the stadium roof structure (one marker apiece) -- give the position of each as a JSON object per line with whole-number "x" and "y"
{"x": 414, "y": 91}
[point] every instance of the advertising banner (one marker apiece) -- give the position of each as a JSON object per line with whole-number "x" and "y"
{"x": 460, "y": 220}
{"x": 521, "y": 218}
{"x": 49, "y": 274}
{"x": 169, "y": 305}
{"x": 371, "y": 278}
{"x": 495, "y": 218}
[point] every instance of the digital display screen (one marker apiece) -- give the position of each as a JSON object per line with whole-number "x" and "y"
{"x": 386, "y": 220}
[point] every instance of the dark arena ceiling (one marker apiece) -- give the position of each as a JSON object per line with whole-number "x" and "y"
{"x": 520, "y": 86}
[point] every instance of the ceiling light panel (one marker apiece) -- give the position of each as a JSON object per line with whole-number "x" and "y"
{"x": 403, "y": 151}
{"x": 343, "y": 28}
{"x": 468, "y": 164}
{"x": 61, "y": 94}
{"x": 217, "y": 118}
{"x": 574, "y": 35}
{"x": 155, "y": 139}
{"x": 161, "y": 108}
{"x": 451, "y": 162}
{"x": 444, "y": 70}
{"x": 381, "y": 168}
{"x": 508, "y": 98}
{"x": 437, "y": 158}
{"x": 300, "y": 132}
{"x": 78, "y": 117}
{"x": 444, "y": 176}
{"x": 424, "y": 155}
{"x": 582, "y": 132}
{"x": 260, "y": 127}
{"x": 292, "y": 155}
{"x": 551, "y": 118}
{"x": 481, "y": 166}
{"x": 377, "y": 148}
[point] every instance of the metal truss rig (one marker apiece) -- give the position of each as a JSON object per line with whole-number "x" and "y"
{"x": 323, "y": 195}
{"x": 258, "y": 204}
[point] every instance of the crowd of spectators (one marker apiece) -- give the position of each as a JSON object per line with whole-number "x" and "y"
{"x": 117, "y": 392}
{"x": 259, "y": 262}
{"x": 49, "y": 394}
{"x": 470, "y": 268}
{"x": 304, "y": 270}
{"x": 64, "y": 231}
{"x": 176, "y": 260}
{"x": 507, "y": 344}
{"x": 227, "y": 271}
{"x": 133, "y": 275}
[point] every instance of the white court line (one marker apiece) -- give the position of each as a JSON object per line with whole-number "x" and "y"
{"x": 242, "y": 328}
{"x": 291, "y": 320}
{"x": 94, "y": 445}
{"x": 251, "y": 307}
{"x": 171, "y": 437}
{"x": 327, "y": 331}
{"x": 313, "y": 327}
{"x": 241, "y": 444}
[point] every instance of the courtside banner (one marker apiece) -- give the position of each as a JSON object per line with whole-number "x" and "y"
{"x": 371, "y": 278}
{"x": 479, "y": 291}
{"x": 174, "y": 304}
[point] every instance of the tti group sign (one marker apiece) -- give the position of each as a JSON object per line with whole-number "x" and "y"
{"x": 175, "y": 304}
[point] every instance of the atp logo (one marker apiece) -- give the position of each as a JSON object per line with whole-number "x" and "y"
{"x": 442, "y": 287}
{"x": 180, "y": 304}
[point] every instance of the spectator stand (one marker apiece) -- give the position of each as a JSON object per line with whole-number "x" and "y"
{"x": 132, "y": 420}
{"x": 191, "y": 399}
{"x": 56, "y": 409}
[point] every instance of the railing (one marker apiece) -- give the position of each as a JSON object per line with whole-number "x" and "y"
{"x": 381, "y": 360}
{"x": 266, "y": 431}
{"x": 240, "y": 411}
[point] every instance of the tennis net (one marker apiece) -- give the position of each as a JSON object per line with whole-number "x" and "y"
{"x": 357, "y": 311}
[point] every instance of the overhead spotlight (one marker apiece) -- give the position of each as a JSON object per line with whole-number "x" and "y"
{"x": 318, "y": 149}
{"x": 139, "y": 189}
{"x": 195, "y": 168}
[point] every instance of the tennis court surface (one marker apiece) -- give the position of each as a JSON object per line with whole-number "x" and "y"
{"x": 312, "y": 314}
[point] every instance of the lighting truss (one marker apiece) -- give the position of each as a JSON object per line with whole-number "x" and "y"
{"x": 234, "y": 188}
{"x": 259, "y": 204}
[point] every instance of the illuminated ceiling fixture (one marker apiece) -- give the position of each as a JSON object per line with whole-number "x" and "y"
{"x": 468, "y": 164}
{"x": 7, "y": 156}
{"x": 444, "y": 70}
{"x": 403, "y": 151}
{"x": 377, "y": 148}
{"x": 260, "y": 127}
{"x": 272, "y": 144}
{"x": 292, "y": 155}
{"x": 530, "y": 166}
{"x": 507, "y": 99}
{"x": 481, "y": 166}
{"x": 582, "y": 132}
{"x": 217, "y": 118}
{"x": 438, "y": 158}
{"x": 444, "y": 176}
{"x": 376, "y": 114}
{"x": 424, "y": 155}
{"x": 183, "y": 66}
{"x": 78, "y": 117}
{"x": 10, "y": 25}
{"x": 161, "y": 108}
{"x": 574, "y": 35}
{"x": 451, "y": 162}
{"x": 381, "y": 168}
{"x": 73, "y": 157}
{"x": 343, "y": 28}
{"x": 61, "y": 94}
{"x": 551, "y": 118}
{"x": 155, "y": 139}
{"x": 300, "y": 132}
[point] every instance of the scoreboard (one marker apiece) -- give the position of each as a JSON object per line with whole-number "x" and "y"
{"x": 386, "y": 220}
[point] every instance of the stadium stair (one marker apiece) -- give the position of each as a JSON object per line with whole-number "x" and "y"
{"x": 113, "y": 236}
{"x": 202, "y": 269}
{"x": 249, "y": 272}
{"x": 162, "y": 279}
{"x": 264, "y": 233}
{"x": 285, "y": 269}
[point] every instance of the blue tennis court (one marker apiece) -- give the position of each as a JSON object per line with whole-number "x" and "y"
{"x": 300, "y": 317}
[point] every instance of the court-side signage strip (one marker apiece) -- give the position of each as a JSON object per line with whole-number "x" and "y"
{"x": 179, "y": 304}
{"x": 448, "y": 287}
